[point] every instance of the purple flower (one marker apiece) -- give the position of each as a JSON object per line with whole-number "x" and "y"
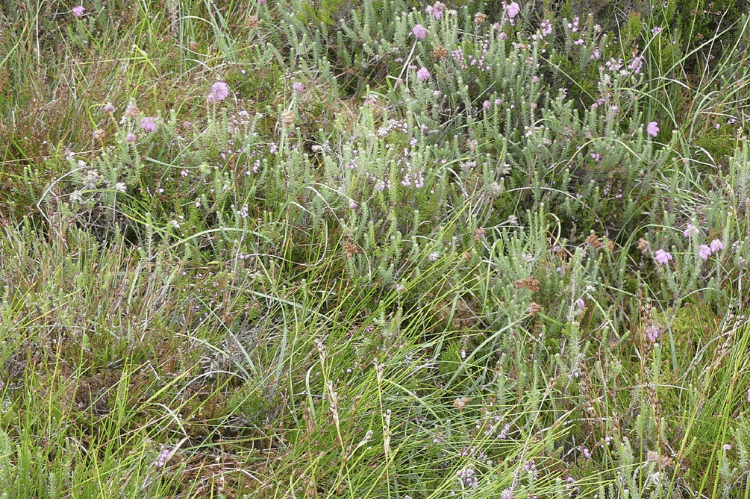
{"x": 652, "y": 333}
{"x": 513, "y": 9}
{"x": 130, "y": 137}
{"x": 487, "y": 105}
{"x": 716, "y": 245}
{"x": 690, "y": 230}
{"x": 436, "y": 10}
{"x": 653, "y": 129}
{"x": 419, "y": 32}
{"x": 662, "y": 257}
{"x": 78, "y": 11}
{"x": 580, "y": 304}
{"x": 704, "y": 252}
{"x": 109, "y": 108}
{"x": 148, "y": 124}
{"x": 219, "y": 91}
{"x": 298, "y": 88}
{"x": 165, "y": 455}
{"x": 423, "y": 74}
{"x": 636, "y": 65}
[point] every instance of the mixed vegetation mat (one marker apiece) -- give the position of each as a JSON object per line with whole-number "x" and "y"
{"x": 375, "y": 249}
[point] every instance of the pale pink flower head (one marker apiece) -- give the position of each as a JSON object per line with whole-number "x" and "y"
{"x": 163, "y": 458}
{"x": 662, "y": 257}
{"x": 652, "y": 333}
{"x": 130, "y": 137}
{"x": 717, "y": 245}
{"x": 436, "y": 10}
{"x": 652, "y": 129}
{"x": 219, "y": 91}
{"x": 513, "y": 9}
{"x": 109, "y": 108}
{"x": 419, "y": 31}
{"x": 423, "y": 74}
{"x": 704, "y": 252}
{"x": 690, "y": 230}
{"x": 298, "y": 88}
{"x": 78, "y": 11}
{"x": 148, "y": 124}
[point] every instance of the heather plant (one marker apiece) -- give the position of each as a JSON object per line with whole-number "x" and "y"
{"x": 372, "y": 249}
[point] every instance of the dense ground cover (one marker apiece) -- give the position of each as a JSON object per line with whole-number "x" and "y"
{"x": 374, "y": 249}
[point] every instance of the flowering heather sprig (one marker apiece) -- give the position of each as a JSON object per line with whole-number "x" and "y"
{"x": 662, "y": 257}
{"x": 78, "y": 11}
{"x": 653, "y": 129}
{"x": 423, "y": 74}
{"x": 298, "y": 88}
{"x": 419, "y": 31}
{"x": 512, "y": 10}
{"x": 690, "y": 230}
{"x": 636, "y": 65}
{"x": 163, "y": 458}
{"x": 148, "y": 124}
{"x": 219, "y": 91}
{"x": 705, "y": 250}
{"x": 436, "y": 10}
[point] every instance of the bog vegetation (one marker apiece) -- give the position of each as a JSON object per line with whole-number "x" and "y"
{"x": 374, "y": 249}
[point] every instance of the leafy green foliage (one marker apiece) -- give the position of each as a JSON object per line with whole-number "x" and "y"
{"x": 373, "y": 249}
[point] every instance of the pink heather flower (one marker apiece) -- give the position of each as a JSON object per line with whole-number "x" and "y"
{"x": 716, "y": 245}
{"x": 580, "y": 304}
{"x": 130, "y": 137}
{"x": 78, "y": 11}
{"x": 436, "y": 10}
{"x": 748, "y": 394}
{"x": 419, "y": 32}
{"x": 704, "y": 252}
{"x": 163, "y": 458}
{"x": 690, "y": 230}
{"x": 662, "y": 257}
{"x": 487, "y": 105}
{"x": 298, "y": 88}
{"x": 652, "y": 129}
{"x": 727, "y": 447}
{"x": 652, "y": 333}
{"x": 513, "y": 9}
{"x": 219, "y": 91}
{"x": 636, "y": 65}
{"x": 423, "y": 74}
{"x": 148, "y": 124}
{"x": 109, "y": 108}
